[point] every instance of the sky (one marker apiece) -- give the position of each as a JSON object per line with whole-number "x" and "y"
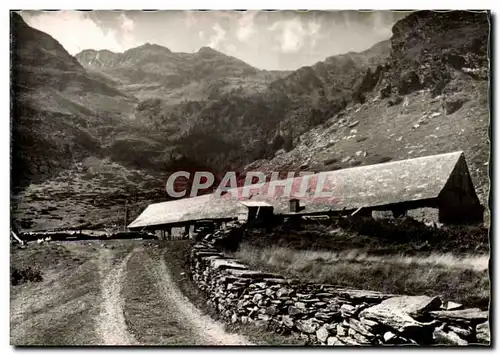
{"x": 271, "y": 40}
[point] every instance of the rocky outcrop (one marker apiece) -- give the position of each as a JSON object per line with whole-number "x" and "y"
{"x": 432, "y": 48}
{"x": 326, "y": 314}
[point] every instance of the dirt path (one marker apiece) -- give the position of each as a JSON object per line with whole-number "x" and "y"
{"x": 208, "y": 330}
{"x": 122, "y": 295}
{"x": 111, "y": 324}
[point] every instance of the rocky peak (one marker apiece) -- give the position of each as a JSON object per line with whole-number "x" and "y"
{"x": 430, "y": 48}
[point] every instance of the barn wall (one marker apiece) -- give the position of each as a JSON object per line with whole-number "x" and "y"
{"x": 458, "y": 202}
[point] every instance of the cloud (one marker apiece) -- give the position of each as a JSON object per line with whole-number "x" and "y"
{"x": 126, "y": 24}
{"x": 76, "y": 31}
{"x": 246, "y": 26}
{"x": 292, "y": 34}
{"x": 217, "y": 37}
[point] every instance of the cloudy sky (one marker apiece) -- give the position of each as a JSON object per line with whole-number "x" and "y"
{"x": 282, "y": 40}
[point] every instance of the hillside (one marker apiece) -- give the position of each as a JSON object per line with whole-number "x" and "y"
{"x": 56, "y": 105}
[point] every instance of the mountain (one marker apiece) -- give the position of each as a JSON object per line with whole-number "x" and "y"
{"x": 152, "y": 71}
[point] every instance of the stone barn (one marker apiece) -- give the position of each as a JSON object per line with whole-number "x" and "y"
{"x": 440, "y": 182}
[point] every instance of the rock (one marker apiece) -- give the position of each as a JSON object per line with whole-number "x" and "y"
{"x": 252, "y": 274}
{"x": 341, "y": 331}
{"x": 450, "y": 306}
{"x": 288, "y": 321}
{"x": 284, "y": 292}
{"x": 358, "y": 327}
{"x": 257, "y": 297}
{"x": 300, "y": 305}
{"x": 294, "y": 311}
{"x": 221, "y": 264}
{"x": 324, "y": 316}
{"x": 369, "y": 323}
{"x": 388, "y": 336}
{"x": 347, "y": 310}
{"x": 470, "y": 315}
{"x": 395, "y": 312}
{"x": 271, "y": 310}
{"x": 359, "y": 337}
{"x": 483, "y": 333}
{"x": 442, "y": 337}
{"x": 306, "y": 326}
{"x": 465, "y": 331}
{"x": 353, "y": 124}
{"x": 312, "y": 300}
{"x": 322, "y": 334}
{"x": 234, "y": 318}
{"x": 334, "y": 341}
{"x": 264, "y": 317}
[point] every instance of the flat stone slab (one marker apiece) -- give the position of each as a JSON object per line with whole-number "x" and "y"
{"x": 360, "y": 295}
{"x": 470, "y": 315}
{"x": 220, "y": 264}
{"x": 252, "y": 274}
{"x": 395, "y": 312}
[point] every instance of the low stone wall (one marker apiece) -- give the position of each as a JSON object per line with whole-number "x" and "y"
{"x": 325, "y": 314}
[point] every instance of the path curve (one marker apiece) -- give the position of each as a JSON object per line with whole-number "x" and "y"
{"x": 111, "y": 323}
{"x": 211, "y": 331}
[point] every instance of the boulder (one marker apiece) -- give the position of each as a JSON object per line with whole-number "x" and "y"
{"x": 395, "y": 312}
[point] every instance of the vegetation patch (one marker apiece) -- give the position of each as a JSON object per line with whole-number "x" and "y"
{"x": 20, "y": 276}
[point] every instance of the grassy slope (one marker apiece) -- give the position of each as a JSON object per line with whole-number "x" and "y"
{"x": 452, "y": 265}
{"x": 93, "y": 193}
{"x": 58, "y": 310}
{"x": 387, "y": 133}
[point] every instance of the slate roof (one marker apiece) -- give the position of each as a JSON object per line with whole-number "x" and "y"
{"x": 364, "y": 186}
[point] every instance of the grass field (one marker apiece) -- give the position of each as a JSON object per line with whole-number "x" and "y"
{"x": 396, "y": 257}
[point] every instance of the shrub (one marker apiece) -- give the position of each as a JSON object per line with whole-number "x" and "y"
{"x": 20, "y": 276}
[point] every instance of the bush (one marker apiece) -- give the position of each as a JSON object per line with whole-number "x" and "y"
{"x": 20, "y": 276}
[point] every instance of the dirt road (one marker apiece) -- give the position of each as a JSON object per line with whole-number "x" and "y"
{"x": 122, "y": 293}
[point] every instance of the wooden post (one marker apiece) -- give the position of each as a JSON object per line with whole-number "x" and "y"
{"x": 126, "y": 217}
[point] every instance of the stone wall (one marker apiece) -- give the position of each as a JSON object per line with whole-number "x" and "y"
{"x": 325, "y": 314}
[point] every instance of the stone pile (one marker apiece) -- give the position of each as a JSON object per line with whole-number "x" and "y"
{"x": 326, "y": 314}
